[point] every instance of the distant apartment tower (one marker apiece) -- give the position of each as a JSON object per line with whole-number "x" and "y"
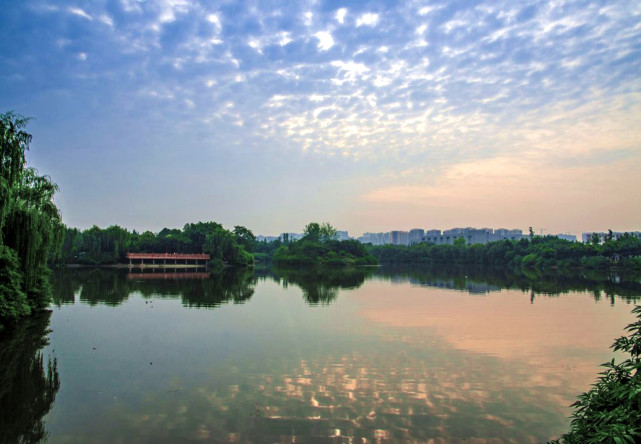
{"x": 399, "y": 237}
{"x": 471, "y": 235}
{"x": 567, "y": 237}
{"x": 342, "y": 235}
{"x": 507, "y": 233}
{"x": 431, "y": 236}
{"x": 374, "y": 238}
{"x": 416, "y": 236}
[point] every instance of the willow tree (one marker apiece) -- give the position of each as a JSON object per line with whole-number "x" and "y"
{"x": 14, "y": 142}
{"x": 30, "y": 224}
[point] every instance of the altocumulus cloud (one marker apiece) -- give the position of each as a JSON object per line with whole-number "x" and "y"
{"x": 423, "y": 86}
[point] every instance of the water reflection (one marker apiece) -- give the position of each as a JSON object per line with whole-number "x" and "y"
{"x": 321, "y": 286}
{"x": 392, "y": 355}
{"x": 28, "y": 383}
{"x": 389, "y": 390}
{"x": 112, "y": 287}
{"x": 478, "y": 280}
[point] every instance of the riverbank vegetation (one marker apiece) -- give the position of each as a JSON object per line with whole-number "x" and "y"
{"x": 611, "y": 410}
{"x": 320, "y": 247}
{"x": 98, "y": 246}
{"x": 537, "y": 252}
{"x": 31, "y": 228}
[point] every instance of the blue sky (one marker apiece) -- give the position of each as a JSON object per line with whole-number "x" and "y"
{"x": 369, "y": 115}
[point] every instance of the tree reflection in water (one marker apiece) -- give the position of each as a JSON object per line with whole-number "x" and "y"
{"x": 28, "y": 383}
{"x": 322, "y": 285}
{"x": 318, "y": 378}
{"x": 480, "y": 280}
{"x": 113, "y": 287}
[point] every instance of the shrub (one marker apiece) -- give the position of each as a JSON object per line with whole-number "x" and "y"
{"x": 529, "y": 261}
{"x": 611, "y": 410}
{"x": 595, "y": 262}
{"x": 13, "y": 301}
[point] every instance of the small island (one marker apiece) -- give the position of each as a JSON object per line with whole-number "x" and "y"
{"x": 320, "y": 247}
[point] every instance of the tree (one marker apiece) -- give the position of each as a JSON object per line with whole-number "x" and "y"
{"x": 327, "y": 232}
{"x": 14, "y": 141}
{"x": 30, "y": 224}
{"x": 316, "y": 232}
{"x": 610, "y": 236}
{"x": 312, "y": 232}
{"x": 245, "y": 237}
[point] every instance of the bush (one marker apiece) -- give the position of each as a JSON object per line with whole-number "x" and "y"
{"x": 13, "y": 301}
{"x": 529, "y": 261}
{"x": 216, "y": 264}
{"x": 611, "y": 411}
{"x": 595, "y": 262}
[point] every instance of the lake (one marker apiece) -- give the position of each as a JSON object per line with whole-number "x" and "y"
{"x": 361, "y": 355}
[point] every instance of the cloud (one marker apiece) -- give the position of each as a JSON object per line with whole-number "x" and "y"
{"x": 367, "y": 19}
{"x": 406, "y": 87}
{"x": 80, "y": 13}
{"x": 325, "y": 40}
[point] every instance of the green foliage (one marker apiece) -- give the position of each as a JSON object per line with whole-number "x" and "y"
{"x": 611, "y": 411}
{"x": 529, "y": 261}
{"x": 244, "y": 237}
{"x": 13, "y": 301}
{"x": 311, "y": 251}
{"x": 320, "y": 247}
{"x": 595, "y": 262}
{"x": 316, "y": 232}
{"x": 31, "y": 228}
{"x": 539, "y": 252}
{"x": 97, "y": 246}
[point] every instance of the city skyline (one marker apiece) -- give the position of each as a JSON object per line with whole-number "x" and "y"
{"x": 372, "y": 116}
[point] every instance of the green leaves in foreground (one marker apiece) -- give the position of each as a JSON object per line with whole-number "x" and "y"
{"x": 611, "y": 411}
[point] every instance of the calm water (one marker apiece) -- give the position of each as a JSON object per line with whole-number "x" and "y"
{"x": 375, "y": 354}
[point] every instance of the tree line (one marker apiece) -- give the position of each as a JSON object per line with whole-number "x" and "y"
{"x": 101, "y": 246}
{"x": 536, "y": 252}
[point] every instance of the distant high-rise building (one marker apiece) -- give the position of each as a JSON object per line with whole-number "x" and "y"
{"x": 416, "y": 236}
{"x": 342, "y": 235}
{"x": 374, "y": 238}
{"x": 471, "y": 235}
{"x": 567, "y": 237}
{"x": 399, "y": 237}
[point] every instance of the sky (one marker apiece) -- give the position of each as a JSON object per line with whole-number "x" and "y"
{"x": 370, "y": 115}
